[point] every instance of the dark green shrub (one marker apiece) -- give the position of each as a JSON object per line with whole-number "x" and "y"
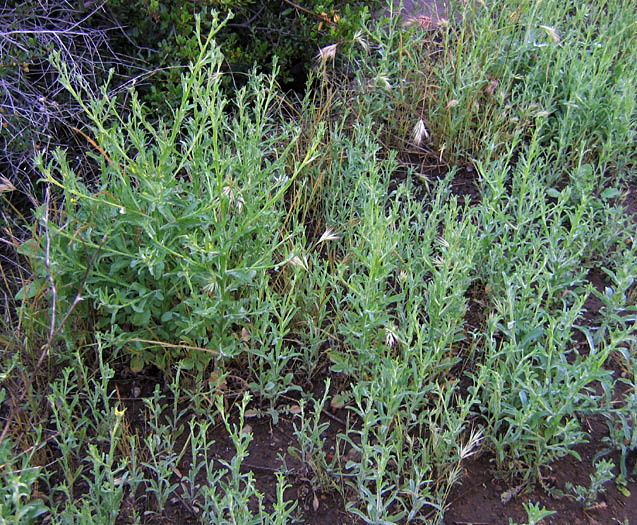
{"x": 257, "y": 31}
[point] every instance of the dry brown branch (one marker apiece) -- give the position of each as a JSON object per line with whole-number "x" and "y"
{"x": 321, "y": 17}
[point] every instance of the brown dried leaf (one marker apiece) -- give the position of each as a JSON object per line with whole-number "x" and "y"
{"x": 507, "y": 495}
{"x": 337, "y": 402}
{"x": 490, "y": 89}
{"x": 214, "y": 379}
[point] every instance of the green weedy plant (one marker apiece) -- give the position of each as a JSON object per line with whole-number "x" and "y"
{"x": 315, "y": 297}
{"x": 19, "y": 474}
{"x": 310, "y": 449}
{"x": 225, "y": 501}
{"x": 220, "y": 495}
{"x": 185, "y": 222}
{"x": 535, "y": 513}
{"x": 18, "y": 479}
{"x": 271, "y": 355}
{"x": 162, "y": 449}
{"x": 491, "y": 73}
{"x": 407, "y": 455}
{"x": 619, "y": 307}
{"x": 617, "y": 332}
{"x": 588, "y": 495}
{"x": 622, "y": 429}
{"x": 538, "y": 381}
{"x": 89, "y": 432}
{"x": 531, "y": 395}
{"x": 404, "y": 273}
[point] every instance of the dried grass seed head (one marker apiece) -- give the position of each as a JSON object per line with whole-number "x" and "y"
{"x": 552, "y": 33}
{"x": 328, "y": 235}
{"x": 326, "y": 53}
{"x": 420, "y": 132}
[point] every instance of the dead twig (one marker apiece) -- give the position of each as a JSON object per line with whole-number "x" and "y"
{"x": 321, "y": 17}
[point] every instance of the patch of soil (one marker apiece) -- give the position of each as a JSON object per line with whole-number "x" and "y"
{"x": 477, "y": 306}
{"x": 482, "y": 499}
{"x": 464, "y": 185}
{"x": 593, "y": 304}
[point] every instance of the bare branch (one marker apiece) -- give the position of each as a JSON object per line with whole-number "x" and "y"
{"x": 35, "y": 111}
{"x": 47, "y": 264}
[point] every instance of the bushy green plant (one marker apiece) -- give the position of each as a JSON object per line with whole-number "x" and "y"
{"x": 185, "y": 223}
{"x": 537, "y": 381}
